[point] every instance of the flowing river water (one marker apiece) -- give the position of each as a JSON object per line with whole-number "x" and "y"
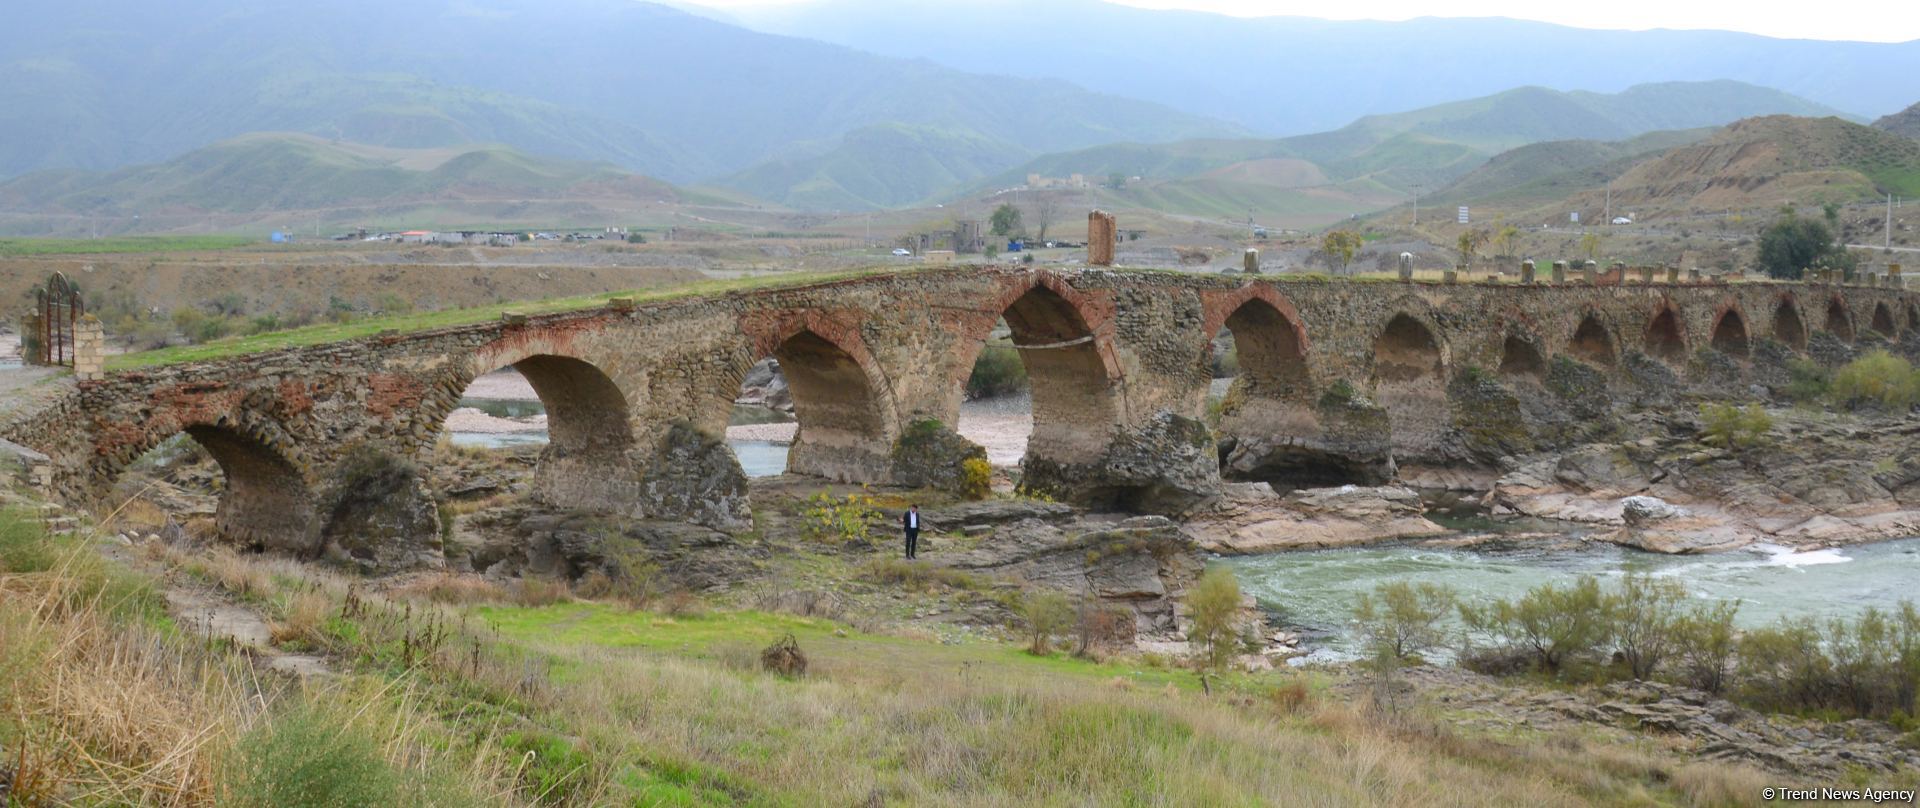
{"x": 1315, "y": 590}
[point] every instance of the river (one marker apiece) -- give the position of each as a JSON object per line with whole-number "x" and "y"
{"x": 1315, "y": 590}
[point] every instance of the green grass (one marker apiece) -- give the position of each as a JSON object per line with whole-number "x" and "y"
{"x": 447, "y": 318}
{"x": 29, "y": 247}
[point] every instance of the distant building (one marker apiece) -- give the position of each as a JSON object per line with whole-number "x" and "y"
{"x": 1037, "y": 182}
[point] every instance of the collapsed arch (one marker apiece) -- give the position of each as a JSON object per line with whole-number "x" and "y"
{"x": 1839, "y": 320}
{"x": 1273, "y": 362}
{"x": 1730, "y": 334}
{"x": 1405, "y": 351}
{"x": 1521, "y": 358}
{"x": 1592, "y": 343}
{"x": 1665, "y": 339}
{"x": 1882, "y": 321}
{"x": 1789, "y": 328}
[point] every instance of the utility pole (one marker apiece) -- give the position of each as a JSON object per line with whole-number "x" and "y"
{"x": 1887, "y": 244}
{"x": 1416, "y": 204}
{"x": 1606, "y": 216}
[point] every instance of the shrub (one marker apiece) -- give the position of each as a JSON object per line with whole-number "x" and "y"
{"x": 305, "y": 758}
{"x": 1704, "y": 641}
{"x": 838, "y": 520}
{"x": 976, "y": 478}
{"x": 1550, "y": 624}
{"x": 1403, "y": 620}
{"x": 1808, "y": 380}
{"x": 999, "y": 371}
{"x": 1214, "y": 606}
{"x": 1641, "y": 616}
{"x": 1047, "y": 615}
{"x": 1878, "y": 377}
{"x": 23, "y": 543}
{"x": 1730, "y": 427}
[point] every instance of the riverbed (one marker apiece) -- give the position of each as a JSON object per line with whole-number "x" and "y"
{"x": 1315, "y": 590}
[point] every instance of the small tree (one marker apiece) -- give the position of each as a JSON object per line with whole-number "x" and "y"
{"x": 1791, "y": 244}
{"x": 1341, "y": 245}
{"x": 1116, "y": 181}
{"x": 1469, "y": 244}
{"x": 1005, "y": 220}
{"x": 1549, "y": 623}
{"x": 1705, "y": 641}
{"x": 1214, "y": 606}
{"x": 1640, "y": 620}
{"x": 1503, "y": 240}
{"x": 1045, "y": 208}
{"x": 1590, "y": 246}
{"x": 1404, "y": 620}
{"x": 1047, "y": 614}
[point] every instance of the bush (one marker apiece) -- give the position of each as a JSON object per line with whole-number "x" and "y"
{"x": 1730, "y": 427}
{"x": 837, "y": 520}
{"x": 1550, "y": 624}
{"x": 1705, "y": 642}
{"x": 1403, "y": 620}
{"x": 1214, "y": 606}
{"x": 1641, "y": 617}
{"x": 976, "y": 478}
{"x": 999, "y": 371}
{"x": 1808, "y": 380}
{"x": 1880, "y": 378}
{"x": 1047, "y": 615}
{"x": 305, "y": 758}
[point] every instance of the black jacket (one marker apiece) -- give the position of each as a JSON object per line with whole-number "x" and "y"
{"x": 907, "y": 525}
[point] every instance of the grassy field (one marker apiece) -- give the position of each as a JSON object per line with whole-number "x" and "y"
{"x": 31, "y": 247}
{"x": 423, "y": 321}
{"x": 459, "y": 691}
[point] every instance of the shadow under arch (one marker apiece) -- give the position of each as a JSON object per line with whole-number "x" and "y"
{"x": 1839, "y": 321}
{"x": 1730, "y": 335}
{"x": 1271, "y": 347}
{"x": 1406, "y": 350}
{"x": 1882, "y": 322}
{"x": 1521, "y": 357}
{"x": 1789, "y": 327}
{"x": 1071, "y": 372}
{"x": 1665, "y": 338}
{"x": 588, "y": 462}
{"x": 1592, "y": 343}
{"x": 842, "y": 402}
{"x": 267, "y": 502}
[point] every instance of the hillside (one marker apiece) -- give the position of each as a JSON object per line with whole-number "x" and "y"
{"x": 1542, "y": 172}
{"x": 1292, "y": 75}
{"x": 1380, "y": 160}
{"x": 108, "y": 84}
{"x": 880, "y": 166}
{"x": 286, "y": 172}
{"x": 1765, "y": 162}
{"x": 1905, "y": 122}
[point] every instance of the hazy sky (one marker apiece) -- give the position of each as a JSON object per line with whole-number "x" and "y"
{"x": 1868, "y": 20}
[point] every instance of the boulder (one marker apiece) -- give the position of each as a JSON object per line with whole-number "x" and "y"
{"x": 694, "y": 477}
{"x": 1639, "y": 511}
{"x": 1144, "y": 564}
{"x": 380, "y": 516}
{"x": 1166, "y": 466}
{"x": 929, "y": 454}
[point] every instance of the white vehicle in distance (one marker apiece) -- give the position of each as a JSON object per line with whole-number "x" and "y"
{"x": 902, "y": 251}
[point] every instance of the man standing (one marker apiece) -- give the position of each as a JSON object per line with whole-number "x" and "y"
{"x": 911, "y": 523}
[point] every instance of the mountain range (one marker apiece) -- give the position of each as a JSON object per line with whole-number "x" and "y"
{"x": 1294, "y": 75}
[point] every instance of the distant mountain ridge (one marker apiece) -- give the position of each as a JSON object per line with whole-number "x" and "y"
{"x": 1292, "y": 75}
{"x": 275, "y": 172}
{"x": 1383, "y": 159}
{"x": 1905, "y": 122}
{"x": 110, "y": 83}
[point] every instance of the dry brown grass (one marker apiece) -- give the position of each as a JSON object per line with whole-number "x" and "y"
{"x": 537, "y": 592}
{"x": 303, "y": 613}
{"x": 452, "y": 589}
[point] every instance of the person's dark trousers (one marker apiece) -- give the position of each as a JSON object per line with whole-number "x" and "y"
{"x": 913, "y": 542}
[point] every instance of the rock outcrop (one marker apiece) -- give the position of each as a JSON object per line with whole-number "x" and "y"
{"x": 1251, "y": 518}
{"x": 1144, "y": 564}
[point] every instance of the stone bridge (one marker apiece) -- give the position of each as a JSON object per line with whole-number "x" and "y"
{"x": 1340, "y": 382}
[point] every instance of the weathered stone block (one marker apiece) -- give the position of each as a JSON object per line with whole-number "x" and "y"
{"x": 929, "y": 454}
